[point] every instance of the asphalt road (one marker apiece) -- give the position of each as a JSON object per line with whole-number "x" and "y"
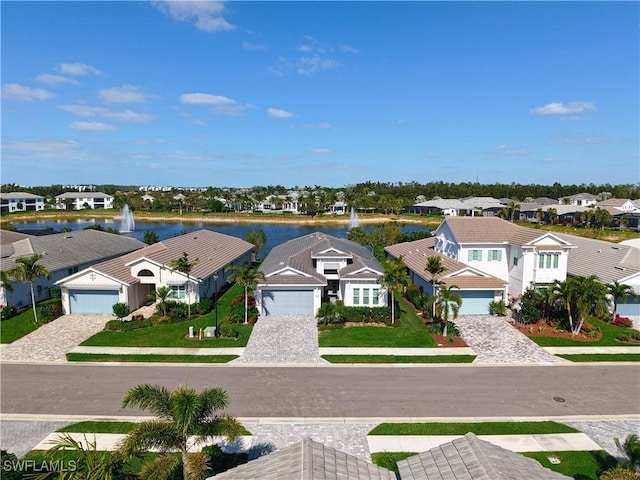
{"x": 336, "y": 392}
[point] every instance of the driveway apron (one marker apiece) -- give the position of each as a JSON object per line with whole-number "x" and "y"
{"x": 495, "y": 341}
{"x": 52, "y": 341}
{"x": 283, "y": 340}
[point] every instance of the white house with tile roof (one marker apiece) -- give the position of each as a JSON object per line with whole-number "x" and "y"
{"x": 131, "y": 278}
{"x": 517, "y": 255}
{"x": 63, "y": 254}
{"x": 20, "y": 202}
{"x": 81, "y": 200}
{"x": 476, "y": 288}
{"x": 302, "y": 273}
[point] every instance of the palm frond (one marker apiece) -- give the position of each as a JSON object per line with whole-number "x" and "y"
{"x": 185, "y": 408}
{"x": 160, "y": 468}
{"x": 213, "y": 399}
{"x": 155, "y": 398}
{"x": 198, "y": 464}
{"x": 145, "y": 436}
{"x": 221, "y": 426}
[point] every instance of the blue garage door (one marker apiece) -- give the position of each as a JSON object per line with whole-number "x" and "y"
{"x": 475, "y": 301}
{"x": 92, "y": 301}
{"x": 287, "y": 302}
{"x": 631, "y": 308}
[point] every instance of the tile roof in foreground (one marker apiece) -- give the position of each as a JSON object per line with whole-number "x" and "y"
{"x": 469, "y": 458}
{"x": 307, "y": 460}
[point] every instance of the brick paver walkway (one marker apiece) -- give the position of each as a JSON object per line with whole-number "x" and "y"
{"x": 52, "y": 341}
{"x": 495, "y": 341}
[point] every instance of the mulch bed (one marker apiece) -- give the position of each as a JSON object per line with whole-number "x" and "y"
{"x": 448, "y": 341}
{"x": 543, "y": 329}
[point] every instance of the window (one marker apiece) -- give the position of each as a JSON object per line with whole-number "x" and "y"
{"x": 475, "y": 255}
{"x": 356, "y": 296}
{"x": 376, "y": 296}
{"x": 495, "y": 255}
{"x": 72, "y": 270}
{"x": 365, "y": 296}
{"x": 555, "y": 260}
{"x": 548, "y": 260}
{"x": 178, "y": 291}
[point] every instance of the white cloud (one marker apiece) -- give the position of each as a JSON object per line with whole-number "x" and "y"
{"x": 205, "y": 99}
{"x": 320, "y": 151}
{"x": 205, "y": 15}
{"x": 348, "y": 49}
{"x": 569, "y": 108}
{"x": 123, "y": 116}
{"x": 252, "y": 47}
{"x": 313, "y": 64}
{"x": 124, "y": 94}
{"x": 51, "y": 79}
{"x": 322, "y": 125}
{"x": 21, "y": 93}
{"x": 279, "y": 113}
{"x": 581, "y": 141}
{"x": 43, "y": 148}
{"x": 78, "y": 69}
{"x": 92, "y": 126}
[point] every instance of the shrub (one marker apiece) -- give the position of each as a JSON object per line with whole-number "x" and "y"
{"x": 54, "y": 292}
{"x": 8, "y": 464}
{"x": 179, "y": 311}
{"x": 204, "y": 306}
{"x": 235, "y": 313}
{"x": 120, "y": 310}
{"x": 618, "y": 473}
{"x": 498, "y": 308}
{"x": 49, "y": 312}
{"x": 530, "y": 311}
{"x": 622, "y": 322}
{"x": 412, "y": 293}
{"x": 220, "y": 461}
{"x": 227, "y": 330}
{"x": 7, "y": 311}
{"x": 119, "y": 326}
{"x": 366, "y": 314}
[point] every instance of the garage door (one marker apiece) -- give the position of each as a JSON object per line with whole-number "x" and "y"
{"x": 92, "y": 301}
{"x": 475, "y": 301}
{"x": 629, "y": 309}
{"x": 287, "y": 302}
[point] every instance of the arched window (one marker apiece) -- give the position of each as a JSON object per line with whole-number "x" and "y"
{"x": 145, "y": 273}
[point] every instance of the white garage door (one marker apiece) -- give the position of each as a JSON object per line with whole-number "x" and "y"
{"x": 287, "y": 302}
{"x": 92, "y": 301}
{"x": 475, "y": 302}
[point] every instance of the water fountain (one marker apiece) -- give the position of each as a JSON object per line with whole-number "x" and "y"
{"x": 127, "y": 223}
{"x": 353, "y": 221}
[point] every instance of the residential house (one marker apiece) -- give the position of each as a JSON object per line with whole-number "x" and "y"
{"x": 302, "y": 273}
{"x": 468, "y": 206}
{"x": 477, "y": 289}
{"x": 20, "y": 202}
{"x": 464, "y": 458}
{"x": 82, "y": 200}
{"x": 517, "y": 255}
{"x": 279, "y": 204}
{"x": 133, "y": 277}
{"x": 609, "y": 262}
{"x": 624, "y": 205}
{"x": 63, "y": 255}
{"x": 580, "y": 199}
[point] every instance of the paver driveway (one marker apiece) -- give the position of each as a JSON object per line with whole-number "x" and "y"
{"x": 52, "y": 341}
{"x": 283, "y": 340}
{"x": 495, "y": 341}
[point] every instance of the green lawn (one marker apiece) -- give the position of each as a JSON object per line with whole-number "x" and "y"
{"x": 22, "y": 324}
{"x": 481, "y": 428}
{"x": 105, "y": 357}
{"x": 173, "y": 335}
{"x": 610, "y": 332}
{"x": 579, "y": 465}
{"x": 399, "y": 358}
{"x": 389, "y": 460}
{"x": 602, "y": 357}
{"x": 109, "y": 427}
{"x": 411, "y": 332}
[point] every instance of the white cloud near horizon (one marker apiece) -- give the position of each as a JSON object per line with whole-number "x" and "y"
{"x": 22, "y": 93}
{"x": 92, "y": 126}
{"x": 253, "y": 47}
{"x": 123, "y": 116}
{"x": 279, "y": 113}
{"x": 205, "y": 99}
{"x": 78, "y": 69}
{"x": 51, "y": 79}
{"x": 206, "y": 16}
{"x": 569, "y": 108}
{"x": 124, "y": 94}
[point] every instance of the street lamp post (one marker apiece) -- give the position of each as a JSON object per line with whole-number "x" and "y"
{"x": 215, "y": 301}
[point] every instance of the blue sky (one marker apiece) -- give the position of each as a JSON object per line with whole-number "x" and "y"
{"x": 319, "y": 93}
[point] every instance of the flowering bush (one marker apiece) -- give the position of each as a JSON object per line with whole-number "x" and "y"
{"x": 622, "y": 321}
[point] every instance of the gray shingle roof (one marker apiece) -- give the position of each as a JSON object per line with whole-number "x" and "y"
{"x": 307, "y": 460}
{"x": 65, "y": 250}
{"x": 20, "y": 195}
{"x": 469, "y": 458}
{"x": 84, "y": 195}
{"x": 298, "y": 254}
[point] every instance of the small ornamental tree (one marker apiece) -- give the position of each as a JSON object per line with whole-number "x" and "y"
{"x": 120, "y": 310}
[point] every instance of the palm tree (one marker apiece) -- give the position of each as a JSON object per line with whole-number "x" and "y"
{"x": 630, "y": 448}
{"x": 246, "y": 276}
{"x": 28, "y": 270}
{"x": 580, "y": 296}
{"x": 448, "y": 303}
{"x": 258, "y": 238}
{"x": 161, "y": 295}
{"x": 513, "y": 206}
{"x": 393, "y": 279}
{"x": 5, "y": 284}
{"x": 435, "y": 268}
{"x": 183, "y": 265}
{"x": 184, "y": 418}
{"x": 552, "y": 213}
{"x": 620, "y": 291}
{"x": 539, "y": 214}
{"x": 564, "y": 293}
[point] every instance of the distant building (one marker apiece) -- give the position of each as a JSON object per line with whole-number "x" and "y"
{"x": 83, "y": 200}
{"x": 20, "y": 202}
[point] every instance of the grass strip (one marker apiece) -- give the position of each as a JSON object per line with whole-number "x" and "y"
{"x": 580, "y": 465}
{"x": 602, "y": 357}
{"x": 481, "y": 428}
{"x": 389, "y": 460}
{"x": 106, "y": 357}
{"x": 109, "y": 427}
{"x": 399, "y": 358}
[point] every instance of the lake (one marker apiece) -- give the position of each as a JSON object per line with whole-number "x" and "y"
{"x": 276, "y": 233}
